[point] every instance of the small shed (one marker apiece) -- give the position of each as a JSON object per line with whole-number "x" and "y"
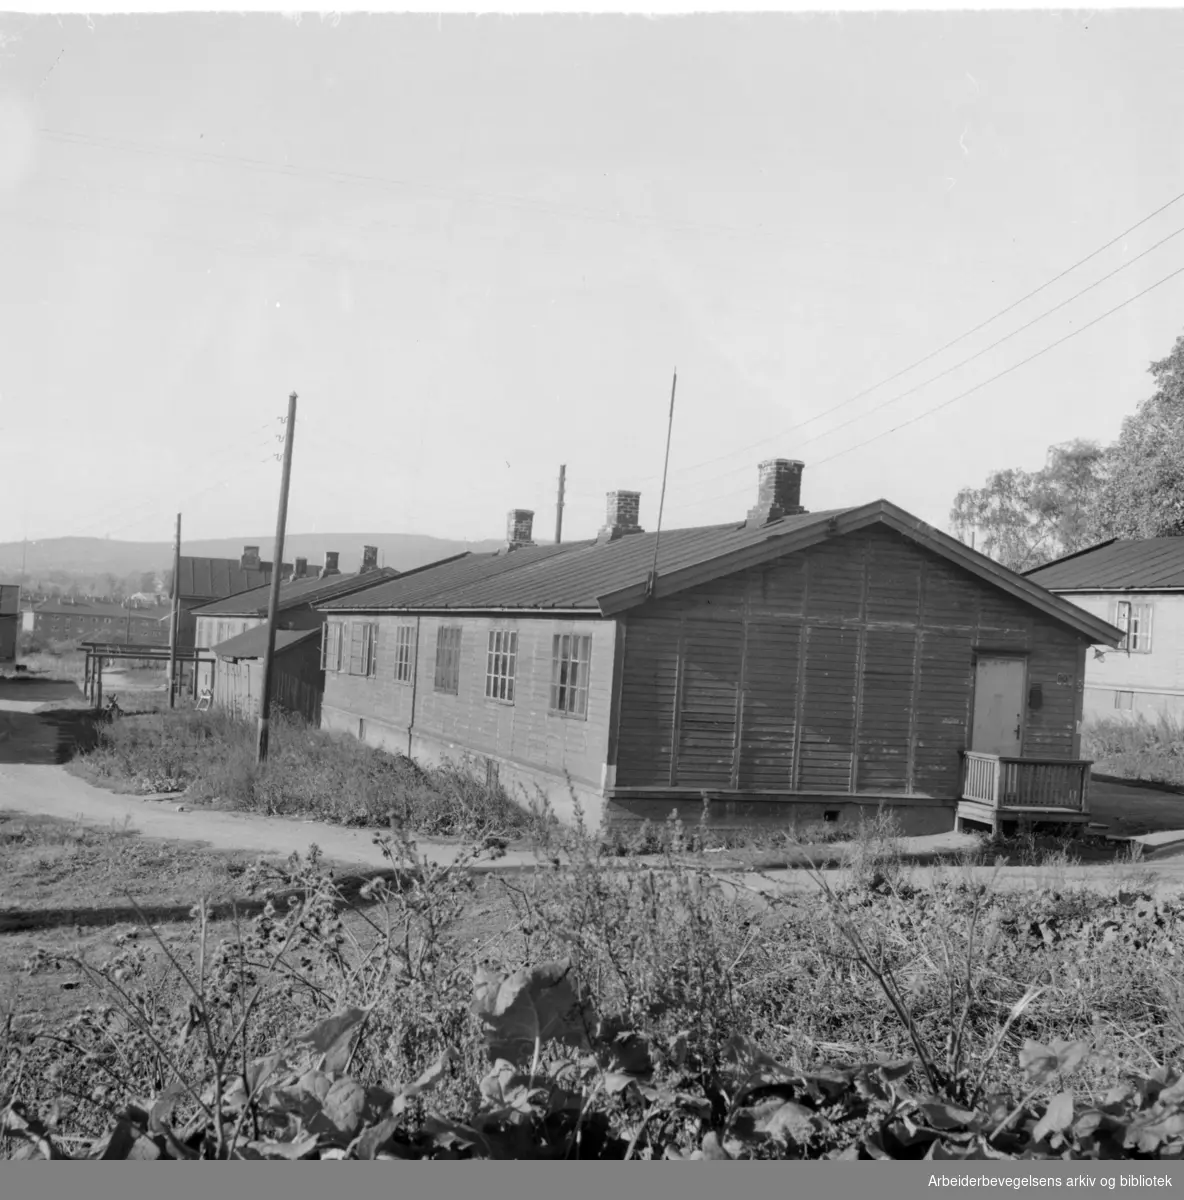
{"x": 297, "y": 684}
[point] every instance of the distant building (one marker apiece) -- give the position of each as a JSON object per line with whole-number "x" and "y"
{"x": 299, "y": 597}
{"x": 1137, "y": 584}
{"x": 92, "y": 620}
{"x": 203, "y": 580}
{"x": 10, "y": 600}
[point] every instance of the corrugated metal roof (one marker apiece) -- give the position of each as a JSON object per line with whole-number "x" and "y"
{"x": 568, "y": 576}
{"x": 610, "y": 577}
{"x": 1134, "y": 564}
{"x": 253, "y": 643}
{"x": 216, "y": 578}
{"x": 295, "y": 593}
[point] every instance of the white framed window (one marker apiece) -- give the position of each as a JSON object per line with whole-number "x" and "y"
{"x": 331, "y": 646}
{"x": 447, "y": 679}
{"x": 570, "y": 661}
{"x": 404, "y": 635}
{"x": 363, "y": 642}
{"x": 501, "y": 663}
{"x": 1135, "y": 622}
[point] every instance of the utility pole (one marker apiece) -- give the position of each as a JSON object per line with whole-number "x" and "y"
{"x": 175, "y": 622}
{"x": 277, "y": 570}
{"x": 559, "y": 506}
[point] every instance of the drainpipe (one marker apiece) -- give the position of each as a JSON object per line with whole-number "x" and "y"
{"x": 414, "y": 685}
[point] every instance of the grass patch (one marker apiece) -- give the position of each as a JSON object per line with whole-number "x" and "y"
{"x": 1137, "y": 748}
{"x": 310, "y": 773}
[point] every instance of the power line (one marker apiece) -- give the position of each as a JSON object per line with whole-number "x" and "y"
{"x": 1007, "y": 371}
{"x": 978, "y": 354}
{"x": 953, "y": 341}
{"x": 977, "y": 387}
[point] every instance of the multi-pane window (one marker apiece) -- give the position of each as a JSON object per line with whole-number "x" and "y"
{"x": 500, "y": 664}
{"x": 331, "y": 646}
{"x": 363, "y": 638}
{"x": 448, "y": 659}
{"x": 1135, "y": 622}
{"x": 403, "y": 636}
{"x": 570, "y": 658}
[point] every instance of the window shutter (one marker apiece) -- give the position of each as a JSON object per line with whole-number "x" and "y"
{"x": 1145, "y": 629}
{"x": 324, "y": 644}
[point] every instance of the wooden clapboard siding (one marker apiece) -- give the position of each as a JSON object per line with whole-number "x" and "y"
{"x": 828, "y": 708}
{"x": 649, "y": 684}
{"x": 770, "y": 702}
{"x": 886, "y": 710}
{"x": 855, "y": 673}
{"x": 711, "y": 656}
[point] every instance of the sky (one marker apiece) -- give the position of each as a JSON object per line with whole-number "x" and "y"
{"x": 478, "y": 248}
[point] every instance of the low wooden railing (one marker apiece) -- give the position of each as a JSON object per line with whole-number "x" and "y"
{"x": 1026, "y": 782}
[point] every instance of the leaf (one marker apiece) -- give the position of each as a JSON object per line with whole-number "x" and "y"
{"x": 537, "y": 1002}
{"x": 1037, "y": 1060}
{"x": 1058, "y": 1116}
{"x": 289, "y": 1151}
{"x": 712, "y": 1150}
{"x": 370, "y": 1141}
{"x": 344, "y": 1106}
{"x": 1150, "y": 1136}
{"x": 942, "y": 1115}
{"x": 433, "y": 1074}
{"x": 331, "y": 1037}
{"x": 785, "y": 1121}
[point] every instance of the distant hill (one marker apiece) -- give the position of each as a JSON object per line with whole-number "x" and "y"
{"x": 95, "y": 556}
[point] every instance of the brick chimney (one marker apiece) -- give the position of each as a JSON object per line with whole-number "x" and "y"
{"x": 330, "y": 567}
{"x": 519, "y": 528}
{"x": 779, "y": 493}
{"x": 621, "y": 517}
{"x": 300, "y": 569}
{"x": 250, "y": 558}
{"x": 369, "y": 559}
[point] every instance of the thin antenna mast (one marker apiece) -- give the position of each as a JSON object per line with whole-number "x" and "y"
{"x": 653, "y": 579}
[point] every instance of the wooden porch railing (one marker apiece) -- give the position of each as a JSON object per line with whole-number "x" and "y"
{"x": 1050, "y": 783}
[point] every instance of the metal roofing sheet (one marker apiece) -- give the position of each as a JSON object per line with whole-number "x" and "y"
{"x": 1135, "y": 564}
{"x": 215, "y": 578}
{"x": 253, "y": 643}
{"x": 569, "y": 576}
{"x": 295, "y": 593}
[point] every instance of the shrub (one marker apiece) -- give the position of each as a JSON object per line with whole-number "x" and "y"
{"x": 309, "y": 772}
{"x": 1137, "y": 748}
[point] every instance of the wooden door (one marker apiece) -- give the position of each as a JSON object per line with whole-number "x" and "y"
{"x": 999, "y": 706}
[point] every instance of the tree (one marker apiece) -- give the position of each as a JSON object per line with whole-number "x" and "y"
{"x": 1026, "y": 518}
{"x": 1144, "y": 492}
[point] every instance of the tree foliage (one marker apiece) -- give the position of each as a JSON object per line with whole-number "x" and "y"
{"x": 1026, "y": 518}
{"x": 1144, "y": 494}
{"x": 1086, "y": 493}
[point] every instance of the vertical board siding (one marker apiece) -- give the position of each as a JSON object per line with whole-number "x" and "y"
{"x": 770, "y": 700}
{"x": 828, "y": 708}
{"x": 858, "y": 666}
{"x": 711, "y": 659}
{"x": 886, "y": 709}
{"x": 649, "y": 683}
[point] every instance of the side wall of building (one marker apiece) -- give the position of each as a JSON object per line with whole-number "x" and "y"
{"x": 1147, "y": 680}
{"x": 537, "y": 750}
